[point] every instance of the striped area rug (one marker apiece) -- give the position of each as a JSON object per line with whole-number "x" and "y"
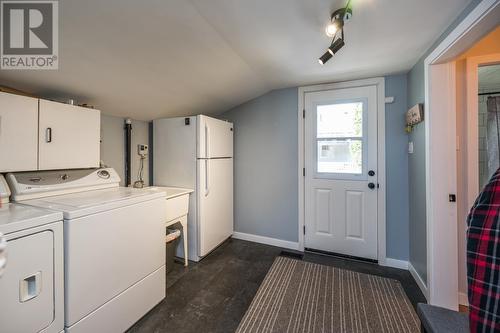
{"x": 298, "y": 296}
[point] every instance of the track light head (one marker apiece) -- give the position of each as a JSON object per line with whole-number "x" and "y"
{"x": 336, "y": 46}
{"x": 337, "y": 20}
{"x": 324, "y": 58}
{"x": 332, "y": 28}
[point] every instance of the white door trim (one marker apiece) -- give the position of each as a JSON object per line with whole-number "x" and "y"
{"x": 472, "y": 65}
{"x": 381, "y": 209}
{"x": 481, "y": 20}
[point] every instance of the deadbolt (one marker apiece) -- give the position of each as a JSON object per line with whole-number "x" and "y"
{"x": 371, "y": 173}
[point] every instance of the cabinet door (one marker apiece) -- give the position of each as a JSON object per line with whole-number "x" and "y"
{"x": 18, "y": 133}
{"x": 69, "y": 136}
{"x": 27, "y": 286}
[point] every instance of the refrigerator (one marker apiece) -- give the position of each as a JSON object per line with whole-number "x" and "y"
{"x": 197, "y": 152}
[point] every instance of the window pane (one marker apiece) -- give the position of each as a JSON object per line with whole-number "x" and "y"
{"x": 340, "y": 120}
{"x": 340, "y": 156}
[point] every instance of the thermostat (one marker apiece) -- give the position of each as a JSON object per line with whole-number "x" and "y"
{"x": 142, "y": 150}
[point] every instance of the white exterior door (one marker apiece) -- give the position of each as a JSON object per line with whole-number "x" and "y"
{"x": 69, "y": 136}
{"x": 341, "y": 171}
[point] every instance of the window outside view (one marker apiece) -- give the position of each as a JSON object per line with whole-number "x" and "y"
{"x": 340, "y": 138}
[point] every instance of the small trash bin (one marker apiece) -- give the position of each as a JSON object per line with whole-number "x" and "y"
{"x": 172, "y": 239}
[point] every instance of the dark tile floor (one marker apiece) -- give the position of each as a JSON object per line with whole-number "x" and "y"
{"x": 213, "y": 295}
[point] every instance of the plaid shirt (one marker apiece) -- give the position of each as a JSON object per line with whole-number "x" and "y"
{"x": 483, "y": 259}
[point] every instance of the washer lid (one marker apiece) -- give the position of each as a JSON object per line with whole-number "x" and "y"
{"x": 17, "y": 217}
{"x": 91, "y": 202}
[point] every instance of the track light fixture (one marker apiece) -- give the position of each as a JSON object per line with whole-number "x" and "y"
{"x": 336, "y": 45}
{"x": 325, "y": 57}
{"x": 335, "y": 30}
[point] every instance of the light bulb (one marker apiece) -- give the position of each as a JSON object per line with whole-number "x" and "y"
{"x": 331, "y": 29}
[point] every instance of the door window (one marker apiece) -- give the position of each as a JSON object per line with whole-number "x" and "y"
{"x": 340, "y": 144}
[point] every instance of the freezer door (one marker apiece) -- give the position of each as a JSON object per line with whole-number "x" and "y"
{"x": 215, "y": 203}
{"x": 215, "y": 138}
{"x": 174, "y": 147}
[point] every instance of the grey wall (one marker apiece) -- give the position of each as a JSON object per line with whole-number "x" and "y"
{"x": 416, "y": 172}
{"x": 113, "y": 145}
{"x": 418, "y": 245}
{"x": 266, "y": 166}
{"x": 397, "y": 209}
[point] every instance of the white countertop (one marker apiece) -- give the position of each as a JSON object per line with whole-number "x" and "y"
{"x": 172, "y": 192}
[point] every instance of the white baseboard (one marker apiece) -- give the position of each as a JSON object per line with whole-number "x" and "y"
{"x": 266, "y": 240}
{"x": 396, "y": 263}
{"x": 419, "y": 281}
{"x": 463, "y": 299}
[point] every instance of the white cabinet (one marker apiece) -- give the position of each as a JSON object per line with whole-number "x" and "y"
{"x": 18, "y": 133}
{"x": 69, "y": 136}
{"x": 37, "y": 134}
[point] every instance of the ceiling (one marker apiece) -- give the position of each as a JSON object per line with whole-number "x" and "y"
{"x": 157, "y": 58}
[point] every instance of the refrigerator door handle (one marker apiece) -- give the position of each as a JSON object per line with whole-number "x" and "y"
{"x": 207, "y": 175}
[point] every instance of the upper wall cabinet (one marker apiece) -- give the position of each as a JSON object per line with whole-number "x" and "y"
{"x": 18, "y": 133}
{"x": 69, "y": 136}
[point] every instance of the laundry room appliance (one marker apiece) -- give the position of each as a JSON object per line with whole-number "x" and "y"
{"x": 197, "y": 152}
{"x": 114, "y": 252}
{"x": 32, "y": 278}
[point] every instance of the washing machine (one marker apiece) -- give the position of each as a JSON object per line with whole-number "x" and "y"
{"x": 31, "y": 267}
{"x": 114, "y": 251}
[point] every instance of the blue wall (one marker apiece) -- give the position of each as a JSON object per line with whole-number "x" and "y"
{"x": 266, "y": 166}
{"x": 416, "y": 94}
{"x": 416, "y": 172}
{"x": 396, "y": 151}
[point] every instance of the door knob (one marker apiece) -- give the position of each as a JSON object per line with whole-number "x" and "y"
{"x": 371, "y": 173}
{"x": 371, "y": 186}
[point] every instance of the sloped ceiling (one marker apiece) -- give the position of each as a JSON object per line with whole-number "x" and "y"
{"x": 160, "y": 58}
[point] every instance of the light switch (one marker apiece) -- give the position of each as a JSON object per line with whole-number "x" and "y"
{"x": 410, "y": 147}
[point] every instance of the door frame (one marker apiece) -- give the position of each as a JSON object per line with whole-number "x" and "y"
{"x": 472, "y": 83}
{"x": 440, "y": 94}
{"x": 379, "y": 82}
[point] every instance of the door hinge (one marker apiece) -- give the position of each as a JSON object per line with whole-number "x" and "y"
{"x": 304, "y": 172}
{"x": 304, "y": 113}
{"x": 304, "y": 230}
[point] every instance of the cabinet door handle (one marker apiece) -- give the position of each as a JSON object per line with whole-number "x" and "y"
{"x": 48, "y": 135}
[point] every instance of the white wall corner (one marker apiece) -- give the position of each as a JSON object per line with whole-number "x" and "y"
{"x": 421, "y": 284}
{"x": 396, "y": 263}
{"x": 266, "y": 240}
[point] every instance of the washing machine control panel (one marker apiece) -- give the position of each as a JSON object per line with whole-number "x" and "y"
{"x": 34, "y": 185}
